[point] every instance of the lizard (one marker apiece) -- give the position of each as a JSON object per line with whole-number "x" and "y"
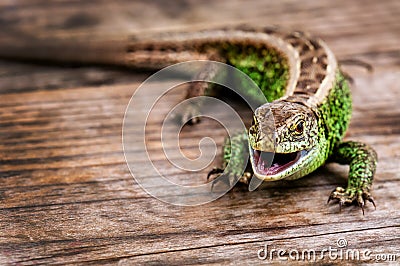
{"x": 308, "y": 96}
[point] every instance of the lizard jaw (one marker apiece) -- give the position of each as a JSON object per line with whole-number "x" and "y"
{"x": 271, "y": 166}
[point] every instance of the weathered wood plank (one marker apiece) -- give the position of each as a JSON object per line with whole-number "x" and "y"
{"x": 66, "y": 194}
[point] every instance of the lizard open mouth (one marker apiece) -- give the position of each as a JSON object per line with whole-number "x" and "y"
{"x": 269, "y": 163}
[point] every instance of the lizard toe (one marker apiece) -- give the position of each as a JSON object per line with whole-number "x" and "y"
{"x": 351, "y": 195}
{"x": 214, "y": 172}
{"x": 217, "y": 175}
{"x": 245, "y": 179}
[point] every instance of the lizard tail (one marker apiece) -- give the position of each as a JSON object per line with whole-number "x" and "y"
{"x": 22, "y": 46}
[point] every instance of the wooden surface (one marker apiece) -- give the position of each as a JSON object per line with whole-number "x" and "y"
{"x": 67, "y": 196}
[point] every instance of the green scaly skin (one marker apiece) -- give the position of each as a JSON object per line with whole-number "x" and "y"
{"x": 264, "y": 67}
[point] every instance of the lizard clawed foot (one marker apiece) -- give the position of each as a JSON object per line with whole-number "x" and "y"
{"x": 217, "y": 175}
{"x": 350, "y": 195}
{"x": 215, "y": 171}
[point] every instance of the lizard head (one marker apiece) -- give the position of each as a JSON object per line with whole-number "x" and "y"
{"x": 282, "y": 139}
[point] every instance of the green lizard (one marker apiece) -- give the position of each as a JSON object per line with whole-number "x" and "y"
{"x": 308, "y": 96}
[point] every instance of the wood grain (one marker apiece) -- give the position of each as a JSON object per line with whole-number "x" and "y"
{"x": 67, "y": 196}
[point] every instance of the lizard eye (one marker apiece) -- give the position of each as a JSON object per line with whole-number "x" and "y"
{"x": 299, "y": 127}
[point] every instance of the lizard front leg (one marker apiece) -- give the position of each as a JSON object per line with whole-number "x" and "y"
{"x": 362, "y": 161}
{"x": 235, "y": 156}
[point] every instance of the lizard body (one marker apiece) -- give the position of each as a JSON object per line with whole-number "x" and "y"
{"x": 308, "y": 96}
